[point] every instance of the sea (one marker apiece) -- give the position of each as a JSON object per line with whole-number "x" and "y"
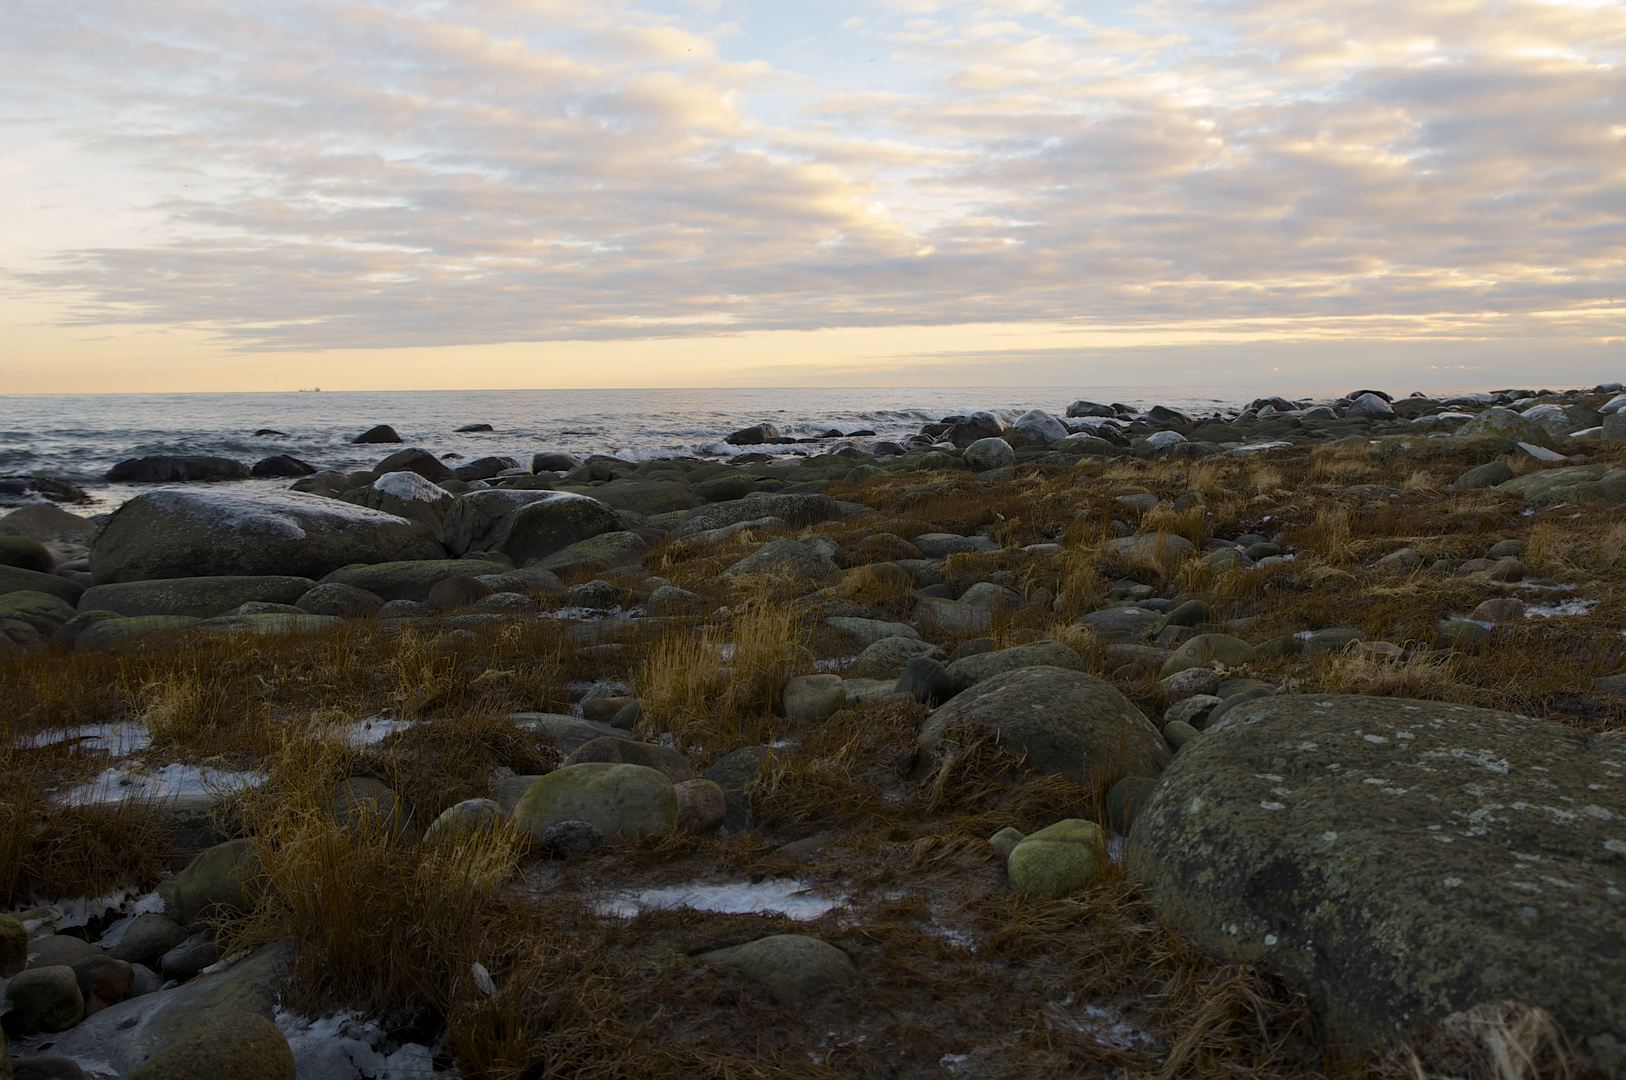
{"x": 78, "y": 437}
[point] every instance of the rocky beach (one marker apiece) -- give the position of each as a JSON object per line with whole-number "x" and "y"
{"x": 1105, "y": 740}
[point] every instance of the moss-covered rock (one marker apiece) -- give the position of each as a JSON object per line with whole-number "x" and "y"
{"x": 45, "y": 613}
{"x": 605, "y": 551}
{"x": 1402, "y": 860}
{"x": 1059, "y": 860}
{"x": 968, "y": 671}
{"x": 43, "y": 999}
{"x": 200, "y": 597}
{"x": 1064, "y": 720}
{"x": 219, "y": 877}
{"x": 243, "y": 1046}
{"x": 618, "y": 800}
{"x": 15, "y": 579}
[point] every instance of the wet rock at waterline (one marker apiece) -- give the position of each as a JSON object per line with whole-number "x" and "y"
{"x": 1402, "y": 860}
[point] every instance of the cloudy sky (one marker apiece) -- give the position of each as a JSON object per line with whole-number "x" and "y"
{"x": 259, "y": 194}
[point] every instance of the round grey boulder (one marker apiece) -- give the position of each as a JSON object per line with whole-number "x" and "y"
{"x": 43, "y": 999}
{"x": 989, "y": 453}
{"x": 888, "y": 656}
{"x": 616, "y": 799}
{"x": 147, "y": 938}
{"x": 1065, "y": 721}
{"x": 460, "y": 821}
{"x": 1401, "y": 860}
{"x": 795, "y": 967}
{"x": 564, "y": 839}
{"x": 345, "y": 601}
{"x": 811, "y": 698}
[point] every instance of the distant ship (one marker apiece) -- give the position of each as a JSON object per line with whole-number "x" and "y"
{"x": 312, "y": 390}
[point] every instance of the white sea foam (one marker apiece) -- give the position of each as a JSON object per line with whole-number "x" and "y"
{"x": 780, "y": 896}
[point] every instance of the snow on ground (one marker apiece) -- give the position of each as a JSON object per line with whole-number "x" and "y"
{"x": 1567, "y": 607}
{"x": 119, "y": 739}
{"x": 779, "y": 896}
{"x": 346, "y": 1047}
{"x": 371, "y": 731}
{"x": 134, "y": 780}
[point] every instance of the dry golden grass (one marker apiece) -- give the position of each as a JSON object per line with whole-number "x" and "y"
{"x": 1505, "y": 1040}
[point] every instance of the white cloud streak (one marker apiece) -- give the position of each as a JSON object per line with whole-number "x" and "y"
{"x": 343, "y": 174}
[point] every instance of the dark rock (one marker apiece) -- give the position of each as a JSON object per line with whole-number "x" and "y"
{"x": 170, "y": 470}
{"x": 457, "y": 591}
{"x": 24, "y": 553}
{"x": 242, "y": 1046}
{"x": 753, "y": 436}
{"x": 383, "y": 433}
{"x": 191, "y": 956}
{"x": 484, "y": 468}
{"x": 1124, "y": 802}
{"x": 43, "y": 999}
{"x": 1065, "y": 721}
{"x": 1089, "y": 408}
{"x": 475, "y": 427}
{"x": 415, "y": 460}
{"x": 796, "y": 510}
{"x": 281, "y": 465}
{"x": 979, "y": 425}
{"x": 43, "y": 1067}
{"x": 148, "y": 938}
{"x": 1400, "y": 860}
{"x": 222, "y": 877}
{"x": 345, "y": 601}
{"x": 926, "y": 680}
{"x": 735, "y": 772}
{"x": 103, "y": 981}
{"x": 544, "y": 526}
{"x": 200, "y": 597}
{"x": 565, "y": 839}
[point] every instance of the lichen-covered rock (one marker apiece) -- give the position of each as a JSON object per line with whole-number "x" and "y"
{"x": 1503, "y": 423}
{"x": 43, "y": 999}
{"x": 811, "y": 698}
{"x": 887, "y": 656}
{"x": 630, "y": 752}
{"x": 402, "y": 580}
{"x": 1064, "y": 720}
{"x": 243, "y": 1046}
{"x": 968, "y": 671}
{"x": 618, "y": 800}
{"x": 796, "y": 510}
{"x": 795, "y": 967}
{"x": 405, "y": 494}
{"x": 221, "y": 876}
{"x": 199, "y": 597}
{"x": 787, "y": 557}
{"x": 1059, "y": 860}
{"x": 544, "y": 526}
{"x": 44, "y": 612}
{"x": 606, "y": 551}
{"x": 1402, "y": 860}
{"x": 1204, "y": 649}
{"x": 15, "y": 579}
{"x": 173, "y": 533}
{"x": 989, "y": 453}
{"x": 147, "y": 938}
{"x": 1151, "y": 547}
{"x": 343, "y": 601}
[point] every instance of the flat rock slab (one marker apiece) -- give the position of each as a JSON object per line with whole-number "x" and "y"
{"x": 1403, "y": 860}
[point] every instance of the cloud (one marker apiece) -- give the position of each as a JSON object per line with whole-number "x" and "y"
{"x": 350, "y": 175}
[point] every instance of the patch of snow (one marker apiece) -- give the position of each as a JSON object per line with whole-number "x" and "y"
{"x": 587, "y": 613}
{"x": 125, "y": 737}
{"x": 1566, "y": 607}
{"x": 780, "y": 896}
{"x": 346, "y": 1047}
{"x": 150, "y": 903}
{"x": 134, "y": 780}
{"x": 1248, "y": 448}
{"x": 81, "y": 910}
{"x": 371, "y": 731}
{"x": 410, "y": 487}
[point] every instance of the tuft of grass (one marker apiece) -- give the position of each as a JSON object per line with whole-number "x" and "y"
{"x": 1504, "y": 1040}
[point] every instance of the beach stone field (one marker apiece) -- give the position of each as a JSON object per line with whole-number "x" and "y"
{"x": 1108, "y": 742}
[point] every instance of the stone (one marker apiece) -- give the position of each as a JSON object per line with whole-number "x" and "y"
{"x": 1193, "y": 710}
{"x": 281, "y": 466}
{"x": 726, "y": 488}
{"x": 595, "y": 595}
{"x": 1192, "y": 682}
{"x": 1463, "y": 633}
{"x": 1231, "y": 701}
{"x": 1033, "y": 428}
{"x": 1502, "y": 423}
{"x": 163, "y": 469}
{"x": 480, "y": 520}
{"x": 485, "y": 468}
{"x": 647, "y": 497}
{"x": 553, "y": 461}
{"x": 40, "y": 1067}
{"x": 199, "y": 597}
{"x": 1177, "y": 733}
{"x": 411, "y": 579}
{"x": 786, "y": 557}
{"x": 950, "y": 615}
{"x": 123, "y": 1036}
{"x": 887, "y": 656}
{"x": 109, "y": 630}
{"x": 59, "y": 949}
{"x": 926, "y": 680}
{"x": 13, "y": 946}
{"x": 544, "y": 526}
{"x": 795, "y": 967}
{"x": 243, "y": 1046}
{"x": 1487, "y": 475}
{"x": 978, "y": 425}
{"x": 735, "y": 772}
{"x": 812, "y": 698}
{"x": 1125, "y": 800}
{"x": 606, "y": 748}
{"x": 567, "y": 839}
{"x": 942, "y": 545}
{"x": 408, "y": 495}
{"x": 184, "y": 961}
{"x": 172, "y": 533}
{"x": 606, "y": 551}
{"x": 462, "y": 820}
{"x": 1064, "y": 720}
{"x": 103, "y": 981}
{"x": 866, "y": 632}
{"x": 1553, "y": 485}
{"x": 1059, "y": 860}
{"x": 1191, "y": 613}
{"x": 45, "y": 613}
{"x": 1487, "y": 844}
{"x": 26, "y": 554}
{"x": 148, "y": 937}
{"x": 669, "y": 600}
{"x": 616, "y": 799}
{"x": 381, "y": 433}
{"x": 1370, "y": 406}
{"x": 1404, "y": 559}
{"x": 755, "y": 435}
{"x": 65, "y": 535}
{"x": 341, "y": 600}
{"x": 798, "y": 510}
{"x": 1331, "y": 639}
{"x": 990, "y": 595}
{"x": 457, "y": 591}
{"x": 971, "y": 670}
{"x": 702, "y": 806}
{"x": 219, "y": 877}
{"x": 1158, "y": 548}
{"x": 1503, "y": 609}
{"x": 567, "y": 733}
{"x": 1004, "y": 840}
{"x": 359, "y": 800}
{"x": 13, "y": 579}
{"x": 1205, "y": 649}
{"x": 990, "y": 453}
{"x": 1133, "y": 620}
{"x": 1089, "y": 408}
{"x": 43, "y": 999}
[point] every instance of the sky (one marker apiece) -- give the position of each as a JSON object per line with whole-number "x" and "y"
{"x": 271, "y": 194}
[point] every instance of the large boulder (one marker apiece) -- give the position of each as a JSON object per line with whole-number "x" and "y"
{"x": 281, "y": 465}
{"x": 66, "y": 534}
{"x": 479, "y": 520}
{"x": 243, "y": 1046}
{"x": 409, "y": 580}
{"x": 968, "y": 671}
{"x": 405, "y": 494}
{"x": 45, "y": 998}
{"x": 26, "y": 553}
{"x": 544, "y": 526}
{"x": 380, "y": 433}
{"x": 787, "y": 558}
{"x": 616, "y": 799}
{"x": 1035, "y": 428}
{"x": 163, "y": 469}
{"x": 220, "y": 879}
{"x": 1205, "y": 649}
{"x": 977, "y": 425}
{"x": 44, "y": 612}
{"x": 1506, "y": 424}
{"x": 647, "y": 497}
{"x": 173, "y": 533}
{"x": 1401, "y": 860}
{"x": 795, "y": 967}
{"x": 201, "y": 597}
{"x": 14, "y": 580}
{"x": 991, "y": 453}
{"x": 796, "y": 510}
{"x": 1064, "y": 720}
{"x": 606, "y": 551}
{"x": 1553, "y": 485}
